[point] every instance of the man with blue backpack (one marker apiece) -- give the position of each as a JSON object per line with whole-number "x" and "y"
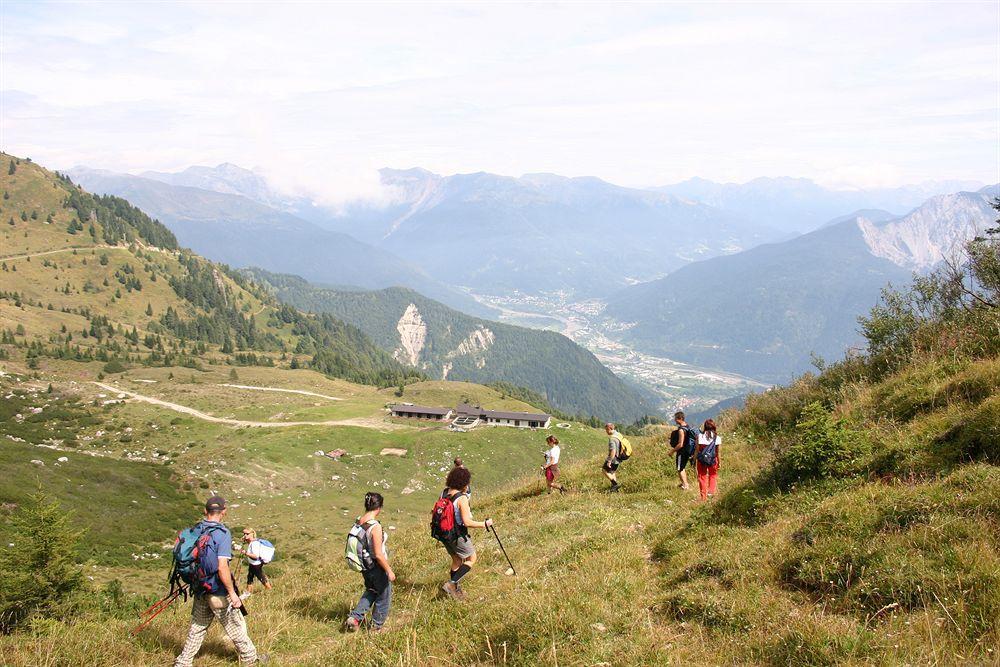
{"x": 201, "y": 562}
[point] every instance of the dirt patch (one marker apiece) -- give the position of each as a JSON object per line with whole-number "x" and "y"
{"x": 392, "y": 451}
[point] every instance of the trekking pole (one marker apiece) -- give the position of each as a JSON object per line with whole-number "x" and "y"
{"x": 512, "y": 570}
{"x": 159, "y": 607}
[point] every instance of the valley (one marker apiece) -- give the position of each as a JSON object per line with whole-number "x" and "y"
{"x": 678, "y": 385}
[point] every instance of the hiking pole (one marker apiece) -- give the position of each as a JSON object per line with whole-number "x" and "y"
{"x": 512, "y": 570}
{"x": 159, "y": 607}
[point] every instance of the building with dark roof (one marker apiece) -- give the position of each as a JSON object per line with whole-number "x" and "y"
{"x": 421, "y": 412}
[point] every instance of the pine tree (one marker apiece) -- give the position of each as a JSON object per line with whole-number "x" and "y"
{"x": 40, "y": 574}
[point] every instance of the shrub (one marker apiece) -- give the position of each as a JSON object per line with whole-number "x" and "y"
{"x": 39, "y": 574}
{"x": 114, "y": 366}
{"x": 822, "y": 447}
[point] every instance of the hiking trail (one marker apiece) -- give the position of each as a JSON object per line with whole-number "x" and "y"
{"x": 363, "y": 422}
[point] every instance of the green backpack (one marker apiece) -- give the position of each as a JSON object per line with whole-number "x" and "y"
{"x": 358, "y": 552}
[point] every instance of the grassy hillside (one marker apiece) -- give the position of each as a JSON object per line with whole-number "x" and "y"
{"x": 88, "y": 277}
{"x": 858, "y": 520}
{"x": 887, "y": 560}
{"x": 566, "y": 375}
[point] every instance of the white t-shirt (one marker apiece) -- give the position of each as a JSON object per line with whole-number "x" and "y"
{"x": 552, "y": 456}
{"x": 705, "y": 440}
{"x": 253, "y": 553}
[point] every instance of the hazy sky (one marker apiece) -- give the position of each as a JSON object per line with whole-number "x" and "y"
{"x": 322, "y": 94}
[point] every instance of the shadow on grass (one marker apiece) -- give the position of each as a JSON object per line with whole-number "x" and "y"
{"x": 322, "y": 609}
{"x": 161, "y": 638}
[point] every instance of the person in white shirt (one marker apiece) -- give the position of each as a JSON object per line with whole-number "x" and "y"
{"x": 708, "y": 460}
{"x": 255, "y": 566}
{"x": 551, "y": 467}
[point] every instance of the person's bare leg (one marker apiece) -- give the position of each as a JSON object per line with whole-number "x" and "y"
{"x": 683, "y": 474}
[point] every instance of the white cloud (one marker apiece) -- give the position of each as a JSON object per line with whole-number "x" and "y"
{"x": 321, "y": 95}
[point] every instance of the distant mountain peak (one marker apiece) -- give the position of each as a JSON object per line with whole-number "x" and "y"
{"x": 929, "y": 233}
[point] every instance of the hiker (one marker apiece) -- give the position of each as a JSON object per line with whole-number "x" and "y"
{"x": 459, "y": 545}
{"x": 681, "y": 448}
{"x": 257, "y": 552}
{"x": 218, "y": 598}
{"x": 551, "y": 467}
{"x": 374, "y": 561}
{"x": 708, "y": 459}
{"x": 614, "y": 456}
{"x": 458, "y": 464}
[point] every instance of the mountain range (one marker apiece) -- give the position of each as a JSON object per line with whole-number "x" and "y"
{"x": 765, "y": 311}
{"x": 225, "y": 225}
{"x": 446, "y": 344}
{"x": 800, "y": 205}
{"x": 496, "y": 234}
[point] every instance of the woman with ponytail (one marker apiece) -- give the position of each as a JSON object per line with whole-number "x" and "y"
{"x": 377, "y": 573}
{"x": 708, "y": 459}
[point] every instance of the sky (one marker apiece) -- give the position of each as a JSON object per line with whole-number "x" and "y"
{"x": 318, "y": 96}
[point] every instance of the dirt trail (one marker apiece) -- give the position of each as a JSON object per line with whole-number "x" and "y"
{"x": 287, "y": 391}
{"x": 53, "y": 252}
{"x": 363, "y": 422}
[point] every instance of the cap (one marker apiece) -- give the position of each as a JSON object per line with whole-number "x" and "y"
{"x": 215, "y": 504}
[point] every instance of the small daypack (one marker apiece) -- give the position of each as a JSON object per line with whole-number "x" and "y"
{"x": 195, "y": 563}
{"x": 444, "y": 526}
{"x": 625, "y": 451}
{"x": 709, "y": 453}
{"x": 358, "y": 552}
{"x": 691, "y": 444}
{"x": 265, "y": 551}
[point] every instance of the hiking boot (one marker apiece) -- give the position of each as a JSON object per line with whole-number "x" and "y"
{"x": 454, "y": 591}
{"x": 351, "y": 624}
{"x": 615, "y": 486}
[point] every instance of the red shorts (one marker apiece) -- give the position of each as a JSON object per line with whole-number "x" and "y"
{"x": 551, "y": 473}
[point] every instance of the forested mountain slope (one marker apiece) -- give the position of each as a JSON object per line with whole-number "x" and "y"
{"x": 442, "y": 342}
{"x": 231, "y": 228}
{"x": 93, "y": 277}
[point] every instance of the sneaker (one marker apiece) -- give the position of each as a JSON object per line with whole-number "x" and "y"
{"x": 615, "y": 487}
{"x": 562, "y": 490}
{"x": 263, "y": 659}
{"x": 244, "y": 596}
{"x": 351, "y": 624}
{"x": 377, "y": 630}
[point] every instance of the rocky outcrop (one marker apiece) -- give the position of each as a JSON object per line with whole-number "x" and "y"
{"x": 479, "y": 340}
{"x": 930, "y": 233}
{"x": 412, "y": 336}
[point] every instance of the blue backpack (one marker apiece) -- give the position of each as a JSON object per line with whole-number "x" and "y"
{"x": 196, "y": 562}
{"x": 691, "y": 444}
{"x": 709, "y": 453}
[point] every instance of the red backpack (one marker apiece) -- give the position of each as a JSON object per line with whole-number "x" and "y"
{"x": 444, "y": 527}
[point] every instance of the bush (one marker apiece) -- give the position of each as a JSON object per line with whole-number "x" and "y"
{"x": 39, "y": 574}
{"x": 822, "y": 447}
{"x": 114, "y": 366}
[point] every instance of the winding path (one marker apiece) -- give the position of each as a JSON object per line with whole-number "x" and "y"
{"x": 362, "y": 422}
{"x": 287, "y": 391}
